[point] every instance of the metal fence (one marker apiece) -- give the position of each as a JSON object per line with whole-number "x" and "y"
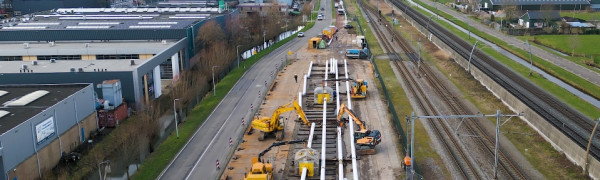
{"x": 391, "y": 107}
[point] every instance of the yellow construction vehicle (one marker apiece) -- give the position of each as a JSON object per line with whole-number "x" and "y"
{"x": 359, "y": 89}
{"x": 365, "y": 140}
{"x": 275, "y": 123}
{"x": 264, "y": 170}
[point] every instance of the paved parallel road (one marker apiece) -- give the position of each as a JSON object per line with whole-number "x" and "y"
{"x": 211, "y": 142}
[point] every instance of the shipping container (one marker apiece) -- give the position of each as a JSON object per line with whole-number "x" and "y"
{"x": 112, "y": 117}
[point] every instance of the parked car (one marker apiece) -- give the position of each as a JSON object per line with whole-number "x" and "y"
{"x": 301, "y": 34}
{"x": 348, "y": 26}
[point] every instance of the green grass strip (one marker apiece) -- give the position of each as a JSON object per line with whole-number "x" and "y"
{"x": 583, "y": 85}
{"x": 588, "y": 16}
{"x": 587, "y": 43}
{"x": 166, "y": 151}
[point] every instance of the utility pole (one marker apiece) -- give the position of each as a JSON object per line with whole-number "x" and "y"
{"x": 412, "y": 144}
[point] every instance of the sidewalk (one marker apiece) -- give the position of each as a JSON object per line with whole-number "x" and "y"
{"x": 577, "y": 69}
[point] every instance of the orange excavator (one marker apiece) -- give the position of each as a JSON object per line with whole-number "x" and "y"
{"x": 365, "y": 140}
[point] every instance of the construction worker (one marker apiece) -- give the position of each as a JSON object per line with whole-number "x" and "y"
{"x": 406, "y": 162}
{"x": 296, "y": 77}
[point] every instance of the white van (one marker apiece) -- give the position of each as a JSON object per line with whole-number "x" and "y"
{"x": 320, "y": 17}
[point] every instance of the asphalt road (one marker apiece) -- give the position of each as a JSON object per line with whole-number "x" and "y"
{"x": 197, "y": 160}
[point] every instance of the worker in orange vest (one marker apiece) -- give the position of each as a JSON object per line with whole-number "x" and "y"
{"x": 406, "y": 162}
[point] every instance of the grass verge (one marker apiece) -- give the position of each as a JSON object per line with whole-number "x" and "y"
{"x": 166, "y": 151}
{"x": 588, "y": 16}
{"x": 559, "y": 92}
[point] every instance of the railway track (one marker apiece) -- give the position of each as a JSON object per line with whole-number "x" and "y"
{"x": 314, "y": 113}
{"x": 442, "y": 132}
{"x": 572, "y": 123}
{"x": 456, "y": 106}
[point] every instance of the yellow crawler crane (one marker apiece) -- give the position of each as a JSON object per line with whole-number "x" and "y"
{"x": 359, "y": 89}
{"x": 275, "y": 123}
{"x": 262, "y": 170}
{"x": 365, "y": 140}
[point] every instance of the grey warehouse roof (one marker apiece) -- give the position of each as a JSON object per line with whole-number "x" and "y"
{"x": 96, "y": 25}
{"x": 79, "y": 48}
{"x": 539, "y": 2}
{"x": 18, "y": 114}
{"x": 64, "y": 66}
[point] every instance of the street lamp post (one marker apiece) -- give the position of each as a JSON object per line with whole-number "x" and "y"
{"x": 470, "y": 56}
{"x": 213, "y": 79}
{"x": 237, "y": 50}
{"x": 530, "y": 59}
{"x": 468, "y": 29}
{"x": 175, "y": 113}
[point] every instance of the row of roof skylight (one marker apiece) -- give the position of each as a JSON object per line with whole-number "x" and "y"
{"x": 107, "y": 10}
{"x": 149, "y": 27}
{"x": 40, "y": 24}
{"x": 3, "y": 113}
{"x": 185, "y": 17}
{"x": 157, "y": 22}
{"x": 24, "y": 100}
{"x": 99, "y": 23}
{"x": 88, "y": 27}
{"x": 25, "y": 27}
{"x": 104, "y": 18}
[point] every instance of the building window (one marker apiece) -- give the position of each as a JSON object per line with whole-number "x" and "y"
{"x": 117, "y": 56}
{"x": 59, "y": 57}
{"x": 11, "y": 58}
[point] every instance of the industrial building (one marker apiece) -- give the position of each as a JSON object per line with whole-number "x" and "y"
{"x": 145, "y": 48}
{"x": 40, "y": 122}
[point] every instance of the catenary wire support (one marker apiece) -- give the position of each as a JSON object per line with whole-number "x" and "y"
{"x": 498, "y": 115}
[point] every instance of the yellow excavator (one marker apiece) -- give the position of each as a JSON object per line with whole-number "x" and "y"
{"x": 275, "y": 123}
{"x": 365, "y": 140}
{"x": 359, "y": 89}
{"x": 262, "y": 170}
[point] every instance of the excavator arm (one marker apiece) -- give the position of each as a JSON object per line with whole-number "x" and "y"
{"x": 301, "y": 113}
{"x": 285, "y": 108}
{"x": 344, "y": 109}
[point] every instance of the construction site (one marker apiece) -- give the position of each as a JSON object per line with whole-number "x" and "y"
{"x": 322, "y": 118}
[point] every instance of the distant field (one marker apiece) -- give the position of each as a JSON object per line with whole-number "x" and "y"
{"x": 587, "y": 43}
{"x": 582, "y": 15}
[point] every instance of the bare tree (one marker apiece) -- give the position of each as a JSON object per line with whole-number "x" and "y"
{"x": 209, "y": 33}
{"x": 511, "y": 10}
{"x": 546, "y": 11}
